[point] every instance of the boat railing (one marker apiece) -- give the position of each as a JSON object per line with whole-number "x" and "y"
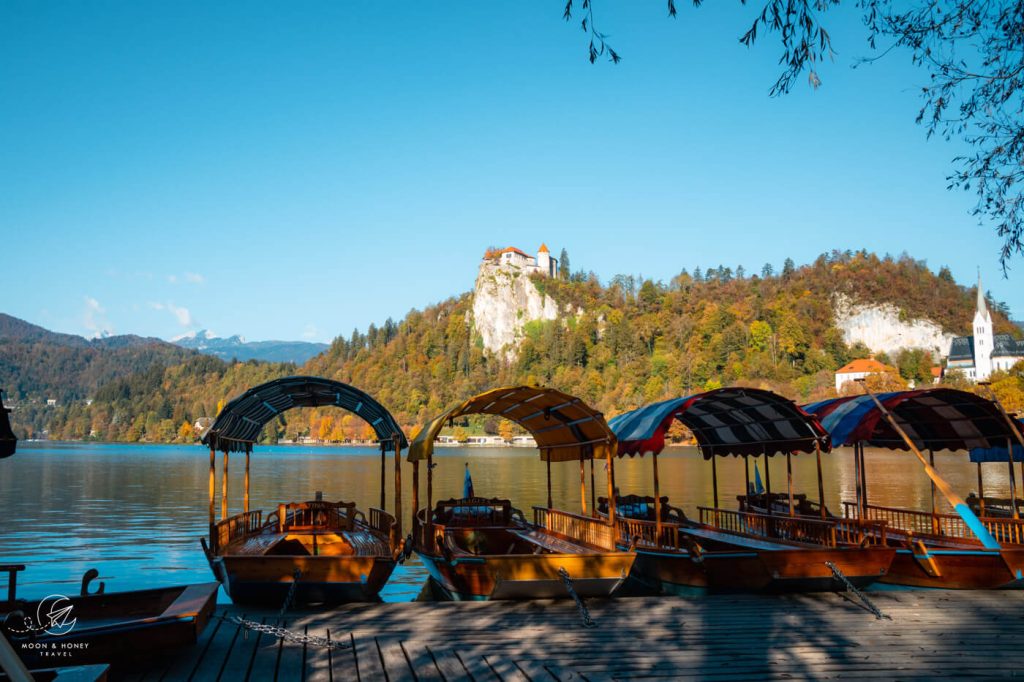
{"x": 645, "y": 533}
{"x": 1004, "y": 530}
{"x": 776, "y": 527}
{"x": 587, "y": 529}
{"x": 382, "y": 522}
{"x": 314, "y": 516}
{"x": 235, "y": 527}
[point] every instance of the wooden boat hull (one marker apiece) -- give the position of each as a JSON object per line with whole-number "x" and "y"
{"x": 528, "y": 576}
{"x": 266, "y": 580}
{"x": 743, "y": 570}
{"x": 119, "y": 628}
{"x": 958, "y": 568}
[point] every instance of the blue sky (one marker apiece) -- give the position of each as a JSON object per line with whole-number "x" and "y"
{"x": 295, "y": 170}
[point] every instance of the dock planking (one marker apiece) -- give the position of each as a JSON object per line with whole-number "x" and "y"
{"x": 931, "y": 634}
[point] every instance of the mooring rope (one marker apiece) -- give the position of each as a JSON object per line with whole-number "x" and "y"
{"x": 588, "y": 622}
{"x": 850, "y": 587}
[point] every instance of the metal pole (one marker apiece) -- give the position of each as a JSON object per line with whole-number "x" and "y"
{"x": 583, "y": 485}
{"x": 821, "y": 485}
{"x": 981, "y": 493}
{"x": 955, "y": 500}
{"x": 224, "y": 489}
{"x": 789, "y": 481}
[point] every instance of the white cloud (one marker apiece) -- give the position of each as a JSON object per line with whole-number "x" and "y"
{"x": 194, "y": 278}
{"x": 94, "y": 318}
{"x": 310, "y": 332}
{"x": 173, "y": 279}
{"x": 182, "y": 314}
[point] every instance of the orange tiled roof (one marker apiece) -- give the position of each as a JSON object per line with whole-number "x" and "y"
{"x": 543, "y": 248}
{"x": 863, "y": 365}
{"x": 936, "y": 371}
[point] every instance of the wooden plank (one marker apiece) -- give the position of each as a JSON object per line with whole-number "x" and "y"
{"x": 475, "y": 665}
{"x": 535, "y": 671}
{"x": 396, "y": 666}
{"x": 369, "y": 666}
{"x": 448, "y": 664}
{"x": 291, "y": 658}
{"x": 504, "y": 669}
{"x": 421, "y": 662}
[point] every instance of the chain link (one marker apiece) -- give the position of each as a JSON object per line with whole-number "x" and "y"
{"x": 288, "y": 635}
{"x": 851, "y": 588}
{"x": 588, "y": 622}
{"x": 290, "y": 597}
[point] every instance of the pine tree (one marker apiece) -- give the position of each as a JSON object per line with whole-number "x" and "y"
{"x": 788, "y": 268}
{"x": 563, "y": 265}
{"x": 767, "y": 271}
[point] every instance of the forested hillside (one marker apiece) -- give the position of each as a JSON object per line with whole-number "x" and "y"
{"x": 625, "y": 344}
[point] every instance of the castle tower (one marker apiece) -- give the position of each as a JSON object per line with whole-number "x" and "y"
{"x": 545, "y": 262}
{"x": 983, "y": 337}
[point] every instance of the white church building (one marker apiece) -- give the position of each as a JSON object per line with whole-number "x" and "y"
{"x": 542, "y": 262}
{"x": 985, "y": 352}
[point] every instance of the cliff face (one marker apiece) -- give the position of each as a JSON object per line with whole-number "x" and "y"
{"x": 504, "y": 300}
{"x": 879, "y": 327}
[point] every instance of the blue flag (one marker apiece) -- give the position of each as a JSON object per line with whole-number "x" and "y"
{"x": 467, "y": 484}
{"x": 758, "y": 486}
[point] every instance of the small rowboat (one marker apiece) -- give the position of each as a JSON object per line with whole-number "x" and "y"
{"x": 476, "y": 548}
{"x": 302, "y": 552}
{"x": 119, "y": 628}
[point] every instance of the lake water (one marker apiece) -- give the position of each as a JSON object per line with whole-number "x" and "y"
{"x": 136, "y": 512}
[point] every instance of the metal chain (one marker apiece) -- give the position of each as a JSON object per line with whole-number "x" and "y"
{"x": 290, "y": 597}
{"x": 588, "y": 622}
{"x": 851, "y": 588}
{"x": 288, "y": 635}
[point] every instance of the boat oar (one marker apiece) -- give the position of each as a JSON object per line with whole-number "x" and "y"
{"x": 11, "y": 664}
{"x": 955, "y": 500}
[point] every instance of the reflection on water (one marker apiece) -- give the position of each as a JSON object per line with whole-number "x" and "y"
{"x": 136, "y": 512}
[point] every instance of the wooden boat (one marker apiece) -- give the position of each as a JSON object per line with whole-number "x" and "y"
{"x": 8, "y": 441}
{"x": 120, "y": 628}
{"x": 333, "y": 551}
{"x": 960, "y": 550}
{"x": 476, "y": 548}
{"x": 727, "y": 550}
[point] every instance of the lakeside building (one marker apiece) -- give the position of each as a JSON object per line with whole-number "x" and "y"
{"x": 542, "y": 263}
{"x": 858, "y": 369}
{"x": 984, "y": 352}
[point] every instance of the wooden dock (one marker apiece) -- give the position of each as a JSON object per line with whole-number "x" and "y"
{"x": 930, "y": 634}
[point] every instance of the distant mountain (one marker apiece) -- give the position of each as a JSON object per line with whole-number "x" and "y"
{"x": 238, "y": 348}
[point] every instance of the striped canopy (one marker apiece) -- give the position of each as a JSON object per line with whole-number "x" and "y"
{"x": 726, "y": 421}
{"x": 565, "y": 428}
{"x": 934, "y": 419}
{"x": 239, "y": 424}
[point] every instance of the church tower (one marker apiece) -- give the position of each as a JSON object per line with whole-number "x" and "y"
{"x": 983, "y": 337}
{"x": 545, "y": 261}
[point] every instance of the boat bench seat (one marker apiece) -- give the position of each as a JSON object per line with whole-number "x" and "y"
{"x": 365, "y": 543}
{"x": 740, "y": 540}
{"x": 549, "y": 542}
{"x": 255, "y": 545}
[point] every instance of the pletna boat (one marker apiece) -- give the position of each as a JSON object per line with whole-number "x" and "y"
{"x": 479, "y": 548}
{"x": 332, "y": 550}
{"x": 8, "y": 441}
{"x": 119, "y": 628}
{"x": 952, "y": 550}
{"x": 729, "y": 550}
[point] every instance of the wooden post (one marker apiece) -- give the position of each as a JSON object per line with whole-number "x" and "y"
{"x": 611, "y": 486}
{"x": 398, "y": 488}
{"x": 282, "y": 516}
{"x": 583, "y": 485}
{"x": 767, "y": 485}
{"x": 415, "y": 496}
{"x": 548, "y": 454}
{"x": 1013, "y": 480}
{"x": 213, "y": 482}
{"x": 714, "y": 479}
{"x": 593, "y": 490}
{"x": 981, "y": 493}
{"x": 429, "y": 544}
{"x": 856, "y": 476}
{"x": 245, "y": 498}
{"x": 224, "y": 489}
{"x": 821, "y": 486}
{"x": 746, "y": 478}
{"x": 383, "y": 478}
{"x": 864, "y": 478}
{"x": 657, "y": 501}
{"x": 789, "y": 481}
{"x": 935, "y": 519}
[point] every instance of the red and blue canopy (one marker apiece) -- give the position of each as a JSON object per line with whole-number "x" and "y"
{"x": 934, "y": 419}
{"x": 726, "y": 421}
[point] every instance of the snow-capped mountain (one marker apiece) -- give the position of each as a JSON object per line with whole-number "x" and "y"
{"x": 238, "y": 348}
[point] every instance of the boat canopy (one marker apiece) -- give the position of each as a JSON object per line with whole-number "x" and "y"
{"x": 935, "y": 419}
{"x": 725, "y": 421}
{"x": 565, "y": 428}
{"x": 239, "y": 424}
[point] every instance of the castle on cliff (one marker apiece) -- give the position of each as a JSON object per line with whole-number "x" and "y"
{"x": 513, "y": 257}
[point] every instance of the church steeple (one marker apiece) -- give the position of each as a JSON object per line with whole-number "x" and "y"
{"x": 983, "y": 337}
{"x": 982, "y": 304}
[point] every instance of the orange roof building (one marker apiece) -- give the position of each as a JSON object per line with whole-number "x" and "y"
{"x": 858, "y": 369}
{"x": 511, "y": 256}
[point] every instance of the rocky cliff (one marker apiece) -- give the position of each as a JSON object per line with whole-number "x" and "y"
{"x": 504, "y": 300}
{"x": 882, "y": 328}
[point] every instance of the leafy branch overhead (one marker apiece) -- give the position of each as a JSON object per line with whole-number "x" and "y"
{"x": 973, "y": 53}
